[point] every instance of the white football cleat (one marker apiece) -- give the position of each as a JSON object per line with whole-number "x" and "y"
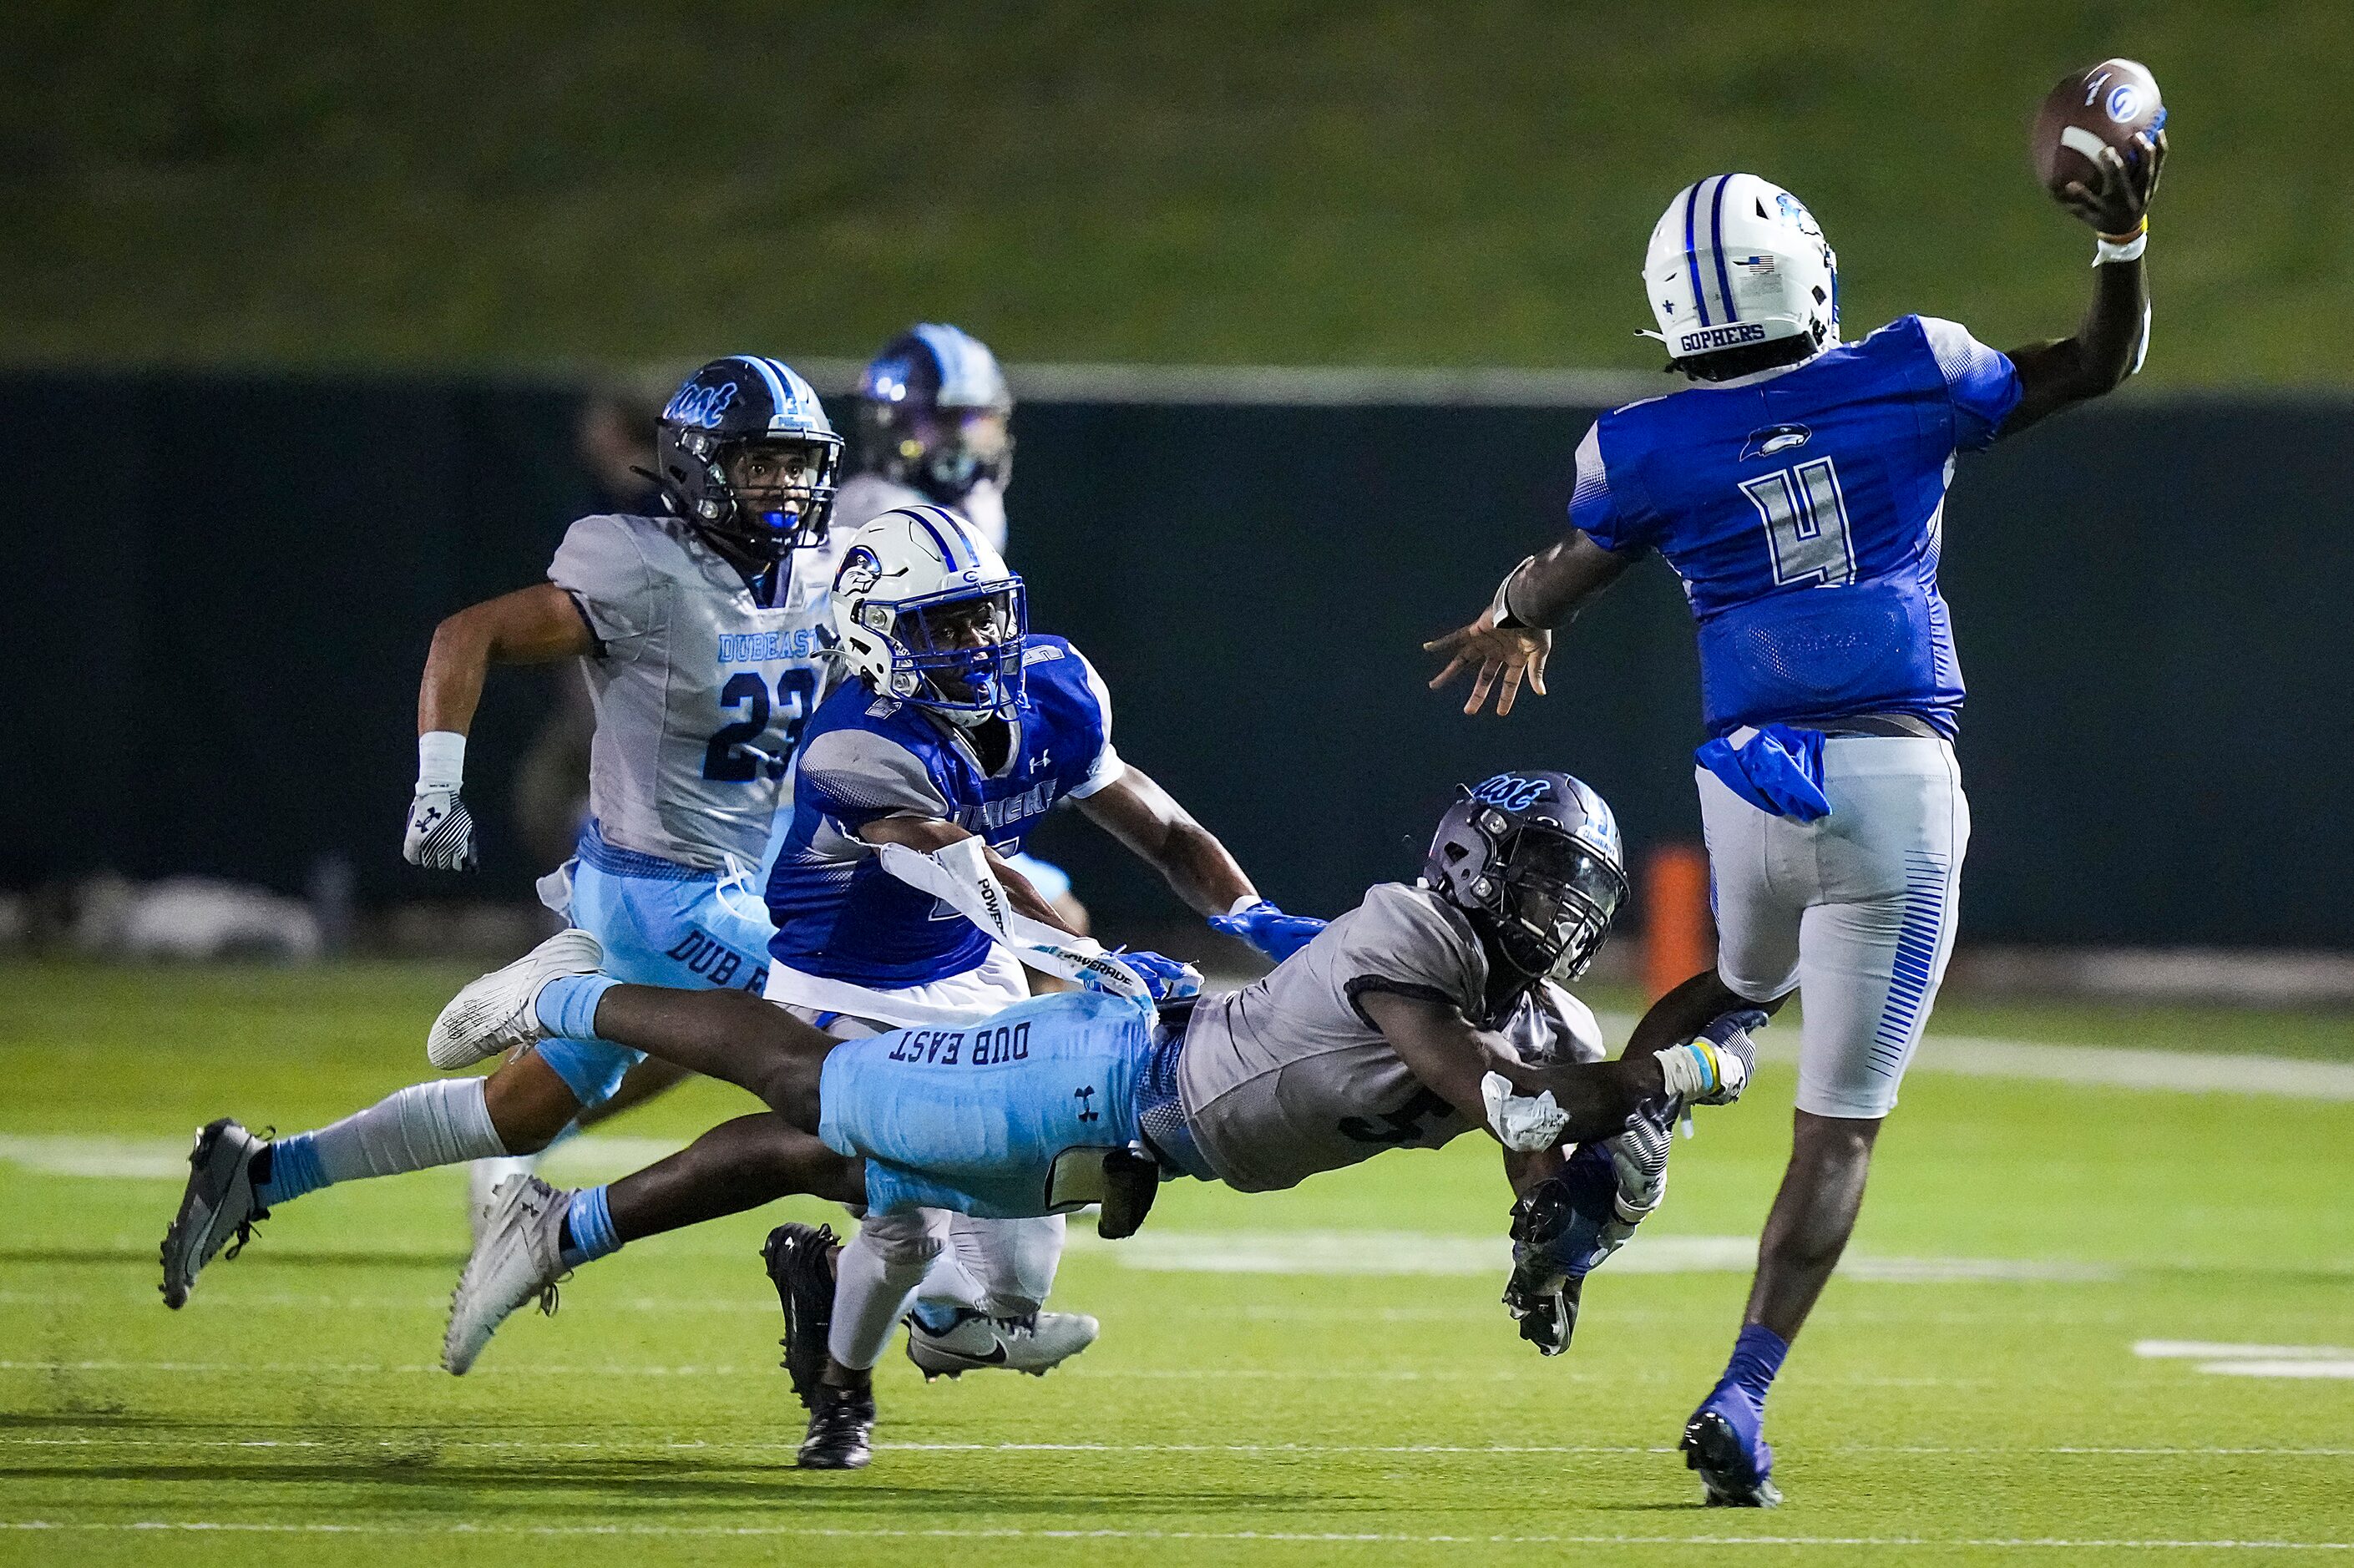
{"x": 1036, "y": 1344}
{"x": 483, "y": 1179}
{"x": 519, "y": 1258}
{"x": 495, "y": 1013}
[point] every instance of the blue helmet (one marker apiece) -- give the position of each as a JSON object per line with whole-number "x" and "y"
{"x": 743, "y": 401}
{"x": 1533, "y": 858}
{"x": 933, "y": 411}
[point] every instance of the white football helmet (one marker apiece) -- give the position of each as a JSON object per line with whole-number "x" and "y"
{"x": 1738, "y": 262}
{"x": 929, "y": 614}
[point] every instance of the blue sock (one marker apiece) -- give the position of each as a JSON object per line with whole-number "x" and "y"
{"x": 1756, "y": 1357}
{"x": 567, "y": 1004}
{"x": 934, "y": 1320}
{"x": 294, "y": 1170}
{"x": 590, "y": 1223}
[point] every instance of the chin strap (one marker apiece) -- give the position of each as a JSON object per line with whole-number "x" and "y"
{"x": 958, "y": 875}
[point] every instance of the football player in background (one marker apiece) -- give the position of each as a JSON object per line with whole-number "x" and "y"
{"x": 698, "y": 631}
{"x": 936, "y": 427}
{"x": 1798, "y": 490}
{"x": 1425, "y": 1011}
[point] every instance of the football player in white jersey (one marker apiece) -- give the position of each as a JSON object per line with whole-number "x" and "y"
{"x": 698, "y": 632}
{"x": 1798, "y": 490}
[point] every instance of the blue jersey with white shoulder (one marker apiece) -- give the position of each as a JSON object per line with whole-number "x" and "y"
{"x": 1804, "y": 510}
{"x": 862, "y": 757}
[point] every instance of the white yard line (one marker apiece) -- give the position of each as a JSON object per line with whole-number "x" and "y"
{"x": 2182, "y": 1072}
{"x": 1321, "y": 1538}
{"x": 2222, "y": 1358}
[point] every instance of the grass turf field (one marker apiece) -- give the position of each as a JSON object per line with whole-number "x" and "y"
{"x": 1312, "y": 1377}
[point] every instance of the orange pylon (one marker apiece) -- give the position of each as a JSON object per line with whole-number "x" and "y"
{"x": 1679, "y": 936}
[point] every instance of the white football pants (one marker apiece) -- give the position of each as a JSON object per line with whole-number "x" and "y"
{"x": 1857, "y": 910}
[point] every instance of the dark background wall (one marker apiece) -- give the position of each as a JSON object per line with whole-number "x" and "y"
{"x": 218, "y": 591}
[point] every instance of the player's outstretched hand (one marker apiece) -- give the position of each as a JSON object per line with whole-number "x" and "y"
{"x": 1503, "y": 657}
{"x": 441, "y": 835}
{"x": 2117, "y": 202}
{"x": 1276, "y": 935}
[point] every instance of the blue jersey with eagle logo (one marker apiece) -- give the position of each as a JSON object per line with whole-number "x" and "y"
{"x": 862, "y": 757}
{"x": 1804, "y": 510}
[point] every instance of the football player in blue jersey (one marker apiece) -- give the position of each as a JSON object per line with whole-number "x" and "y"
{"x": 959, "y": 726}
{"x": 1798, "y": 490}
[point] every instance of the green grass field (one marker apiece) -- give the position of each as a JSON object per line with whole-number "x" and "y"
{"x": 1204, "y": 181}
{"x": 1321, "y": 1376}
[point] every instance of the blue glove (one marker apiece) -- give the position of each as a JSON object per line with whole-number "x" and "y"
{"x": 1270, "y": 929}
{"x": 1169, "y": 979}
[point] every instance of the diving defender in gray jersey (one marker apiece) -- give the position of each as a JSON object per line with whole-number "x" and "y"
{"x": 1422, "y": 1012}
{"x": 699, "y": 633}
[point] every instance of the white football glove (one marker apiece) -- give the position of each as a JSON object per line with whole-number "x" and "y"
{"x": 441, "y": 835}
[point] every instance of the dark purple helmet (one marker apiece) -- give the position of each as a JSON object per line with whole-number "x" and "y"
{"x": 1533, "y": 858}
{"x": 933, "y": 412}
{"x": 717, "y": 417}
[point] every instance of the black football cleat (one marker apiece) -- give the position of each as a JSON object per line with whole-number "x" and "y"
{"x": 841, "y": 1430}
{"x": 218, "y": 1208}
{"x": 796, "y": 1258}
{"x": 1736, "y": 1470}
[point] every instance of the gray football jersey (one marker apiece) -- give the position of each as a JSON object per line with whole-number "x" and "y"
{"x": 1287, "y": 1077}
{"x": 699, "y": 692}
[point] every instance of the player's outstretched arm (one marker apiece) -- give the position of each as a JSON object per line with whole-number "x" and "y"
{"x": 2108, "y": 342}
{"x": 531, "y": 625}
{"x": 1689, "y": 1009}
{"x": 1159, "y": 832}
{"x": 1511, "y": 639}
{"x": 1451, "y": 1058}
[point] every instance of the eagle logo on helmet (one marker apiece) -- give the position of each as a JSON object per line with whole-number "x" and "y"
{"x": 859, "y": 572}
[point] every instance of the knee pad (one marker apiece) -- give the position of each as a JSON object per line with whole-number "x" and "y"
{"x": 904, "y": 1241}
{"x": 1013, "y": 1260}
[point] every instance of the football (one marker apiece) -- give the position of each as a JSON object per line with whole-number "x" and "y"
{"x": 2107, "y": 105}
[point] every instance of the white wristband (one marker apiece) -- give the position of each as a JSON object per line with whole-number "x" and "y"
{"x": 1500, "y": 609}
{"x": 440, "y": 759}
{"x": 2105, "y": 250}
{"x": 1247, "y": 901}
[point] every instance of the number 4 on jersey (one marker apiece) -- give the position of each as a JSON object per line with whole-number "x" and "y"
{"x": 1806, "y": 523}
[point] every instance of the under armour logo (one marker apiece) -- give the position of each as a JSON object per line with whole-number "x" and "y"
{"x": 1087, "y": 1098}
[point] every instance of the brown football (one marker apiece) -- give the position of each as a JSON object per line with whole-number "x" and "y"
{"x": 2105, "y": 105}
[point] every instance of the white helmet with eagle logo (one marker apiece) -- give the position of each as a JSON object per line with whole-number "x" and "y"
{"x": 1737, "y": 263}
{"x": 929, "y": 614}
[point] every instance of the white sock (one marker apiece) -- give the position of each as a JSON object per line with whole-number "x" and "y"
{"x": 874, "y": 1284}
{"x": 424, "y": 1125}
